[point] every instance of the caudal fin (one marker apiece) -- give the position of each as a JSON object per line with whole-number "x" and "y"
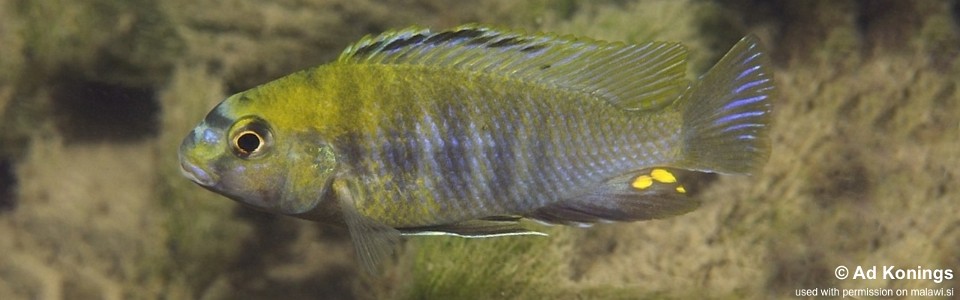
{"x": 727, "y": 114}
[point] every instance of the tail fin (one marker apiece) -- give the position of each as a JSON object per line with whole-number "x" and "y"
{"x": 727, "y": 114}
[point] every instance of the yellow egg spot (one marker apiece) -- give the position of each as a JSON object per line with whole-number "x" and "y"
{"x": 681, "y": 190}
{"x": 663, "y": 176}
{"x": 642, "y": 182}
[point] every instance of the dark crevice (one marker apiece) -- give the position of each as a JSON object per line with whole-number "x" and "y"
{"x": 90, "y": 111}
{"x": 955, "y": 10}
{"x": 841, "y": 178}
{"x": 887, "y": 23}
{"x": 8, "y": 185}
{"x": 271, "y": 245}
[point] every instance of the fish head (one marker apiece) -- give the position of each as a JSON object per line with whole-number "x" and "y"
{"x": 239, "y": 152}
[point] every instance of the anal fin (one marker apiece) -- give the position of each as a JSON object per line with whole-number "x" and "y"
{"x": 482, "y": 228}
{"x": 651, "y": 193}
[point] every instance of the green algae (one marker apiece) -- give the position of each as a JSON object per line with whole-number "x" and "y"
{"x": 865, "y": 133}
{"x": 513, "y": 267}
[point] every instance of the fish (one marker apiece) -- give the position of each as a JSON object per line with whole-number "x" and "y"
{"x": 469, "y": 130}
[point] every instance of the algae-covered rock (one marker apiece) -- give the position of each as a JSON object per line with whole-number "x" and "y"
{"x": 95, "y": 96}
{"x": 127, "y": 42}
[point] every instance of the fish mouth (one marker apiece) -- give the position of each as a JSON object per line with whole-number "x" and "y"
{"x": 195, "y": 173}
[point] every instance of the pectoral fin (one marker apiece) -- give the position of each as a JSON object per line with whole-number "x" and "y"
{"x": 374, "y": 242}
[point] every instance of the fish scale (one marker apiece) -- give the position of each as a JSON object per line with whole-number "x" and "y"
{"x": 458, "y": 145}
{"x": 466, "y": 130}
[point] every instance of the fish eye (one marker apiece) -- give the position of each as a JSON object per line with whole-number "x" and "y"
{"x": 248, "y": 142}
{"x": 251, "y": 138}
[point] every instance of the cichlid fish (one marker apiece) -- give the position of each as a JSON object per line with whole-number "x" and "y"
{"x": 465, "y": 131}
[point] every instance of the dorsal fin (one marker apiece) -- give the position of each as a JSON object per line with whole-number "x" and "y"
{"x": 633, "y": 77}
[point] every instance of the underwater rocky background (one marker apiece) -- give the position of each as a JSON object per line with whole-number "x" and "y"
{"x": 95, "y": 96}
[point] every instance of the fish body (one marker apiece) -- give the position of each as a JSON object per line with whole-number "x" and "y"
{"x": 465, "y": 131}
{"x": 445, "y": 152}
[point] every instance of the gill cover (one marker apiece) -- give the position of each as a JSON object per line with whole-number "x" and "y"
{"x": 310, "y": 169}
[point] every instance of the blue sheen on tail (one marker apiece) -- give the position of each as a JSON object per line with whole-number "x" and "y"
{"x": 726, "y": 119}
{"x": 727, "y": 114}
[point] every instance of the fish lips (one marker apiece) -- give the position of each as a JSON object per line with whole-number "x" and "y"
{"x": 196, "y": 174}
